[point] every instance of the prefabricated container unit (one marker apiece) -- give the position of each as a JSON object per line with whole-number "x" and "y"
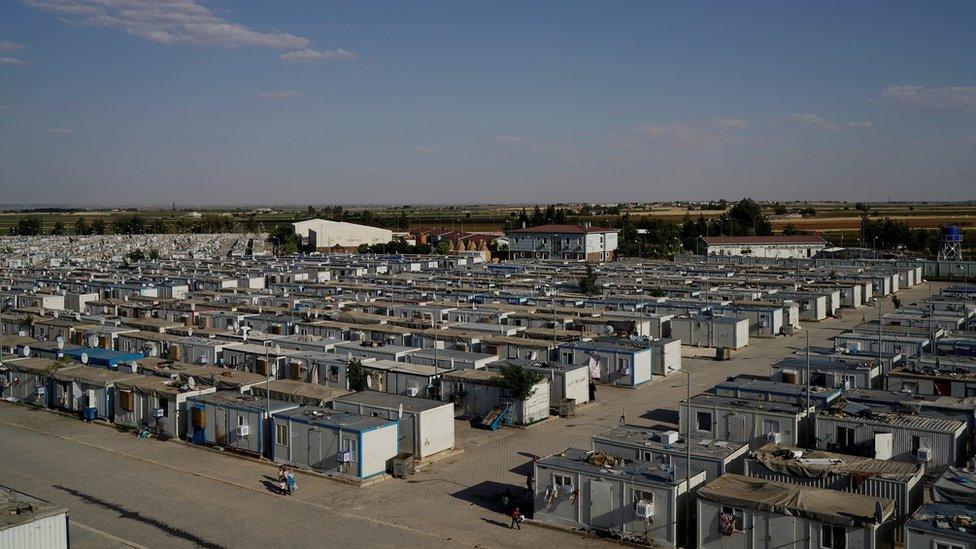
{"x": 711, "y": 331}
{"x": 449, "y": 359}
{"x": 616, "y": 364}
{"x": 863, "y": 341}
{"x": 665, "y": 356}
{"x": 773, "y": 391}
{"x": 738, "y": 512}
{"x": 566, "y": 381}
{"x": 233, "y": 420}
{"x": 741, "y": 420}
{"x": 930, "y": 529}
{"x": 898, "y": 481}
{"x": 825, "y": 372}
{"x": 426, "y": 426}
{"x": 638, "y": 443}
{"x": 764, "y": 321}
{"x": 812, "y": 307}
{"x": 28, "y": 380}
{"x": 934, "y": 443}
{"x": 299, "y": 392}
{"x": 88, "y": 391}
{"x": 477, "y": 392}
{"x": 401, "y": 378}
{"x": 574, "y": 489}
{"x": 949, "y": 383}
{"x": 197, "y": 350}
{"x": 331, "y": 441}
{"x": 150, "y": 401}
{"x": 104, "y": 358}
{"x": 382, "y": 352}
{"x": 258, "y": 359}
{"x": 31, "y": 523}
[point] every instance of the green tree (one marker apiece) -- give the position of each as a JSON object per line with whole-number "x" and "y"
{"x": 135, "y": 256}
{"x": 588, "y": 283}
{"x": 99, "y": 226}
{"x": 29, "y": 225}
{"x": 153, "y": 254}
{"x": 518, "y": 381}
{"x": 81, "y": 226}
{"x": 356, "y": 375}
{"x": 59, "y": 228}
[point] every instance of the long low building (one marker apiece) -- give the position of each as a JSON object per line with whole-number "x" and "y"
{"x": 778, "y": 246}
{"x": 338, "y": 236}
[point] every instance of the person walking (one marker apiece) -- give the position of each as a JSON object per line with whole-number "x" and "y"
{"x": 290, "y": 480}
{"x": 516, "y": 518}
{"x": 282, "y": 479}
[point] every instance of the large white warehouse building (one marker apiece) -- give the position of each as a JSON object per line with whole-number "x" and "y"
{"x": 779, "y": 246}
{"x": 338, "y": 236}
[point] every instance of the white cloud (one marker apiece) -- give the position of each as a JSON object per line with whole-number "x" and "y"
{"x": 58, "y": 131}
{"x": 167, "y": 22}
{"x": 315, "y": 56}
{"x": 7, "y": 45}
{"x": 11, "y": 61}
{"x": 687, "y": 135}
{"x": 425, "y": 150}
{"x": 279, "y": 94}
{"x": 920, "y": 98}
{"x": 813, "y": 121}
{"x": 730, "y": 122}
{"x": 509, "y": 139}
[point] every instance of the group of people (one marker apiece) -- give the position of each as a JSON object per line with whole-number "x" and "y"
{"x": 286, "y": 480}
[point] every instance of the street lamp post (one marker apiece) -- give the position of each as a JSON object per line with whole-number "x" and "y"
{"x": 687, "y": 450}
{"x": 880, "y": 325}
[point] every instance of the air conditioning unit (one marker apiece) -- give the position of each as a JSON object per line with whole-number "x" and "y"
{"x": 413, "y": 391}
{"x": 772, "y": 438}
{"x": 644, "y": 509}
{"x": 39, "y": 391}
{"x": 243, "y": 430}
{"x": 669, "y": 437}
{"x": 344, "y": 456}
{"x": 924, "y": 455}
{"x": 158, "y": 413}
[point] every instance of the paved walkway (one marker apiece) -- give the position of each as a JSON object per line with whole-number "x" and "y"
{"x": 125, "y": 491}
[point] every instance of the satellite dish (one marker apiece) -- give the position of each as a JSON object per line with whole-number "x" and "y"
{"x": 55, "y": 314}
{"x": 400, "y": 411}
{"x": 277, "y": 349}
{"x": 608, "y": 329}
{"x": 93, "y": 341}
{"x": 60, "y": 342}
{"x": 189, "y": 332}
{"x": 78, "y": 317}
{"x": 190, "y": 382}
{"x": 125, "y": 297}
{"x": 152, "y": 350}
{"x": 84, "y": 358}
{"x": 25, "y": 351}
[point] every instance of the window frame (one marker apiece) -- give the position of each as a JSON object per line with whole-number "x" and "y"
{"x": 699, "y": 415}
{"x": 561, "y": 480}
{"x": 282, "y": 432}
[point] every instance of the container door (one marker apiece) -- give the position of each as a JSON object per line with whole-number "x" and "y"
{"x": 601, "y": 504}
{"x": 220, "y": 426}
{"x": 884, "y": 445}
{"x": 737, "y": 428}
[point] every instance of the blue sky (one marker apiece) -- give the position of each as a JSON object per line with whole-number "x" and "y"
{"x": 318, "y": 102}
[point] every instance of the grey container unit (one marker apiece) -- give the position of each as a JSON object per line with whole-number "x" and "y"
{"x": 936, "y": 443}
{"x": 426, "y": 426}
{"x": 942, "y": 526}
{"x": 764, "y": 320}
{"x": 755, "y": 422}
{"x": 578, "y": 489}
{"x": 566, "y": 381}
{"x": 89, "y": 391}
{"x": 334, "y": 442}
{"x": 894, "y": 344}
{"x": 137, "y": 400}
{"x": 711, "y": 331}
{"x": 31, "y": 523}
{"x": 765, "y": 513}
{"x": 27, "y": 379}
{"x": 450, "y": 359}
{"x": 825, "y": 372}
{"x": 299, "y": 392}
{"x": 401, "y": 378}
{"x": 899, "y": 481}
{"x": 233, "y": 420}
{"x": 381, "y": 352}
{"x": 638, "y": 443}
{"x": 665, "y": 356}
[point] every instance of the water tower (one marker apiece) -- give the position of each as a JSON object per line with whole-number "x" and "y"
{"x": 951, "y": 249}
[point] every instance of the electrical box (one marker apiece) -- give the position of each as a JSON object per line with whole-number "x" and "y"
{"x": 644, "y": 509}
{"x": 669, "y": 437}
{"x": 158, "y": 413}
{"x": 344, "y": 456}
{"x": 924, "y": 455}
